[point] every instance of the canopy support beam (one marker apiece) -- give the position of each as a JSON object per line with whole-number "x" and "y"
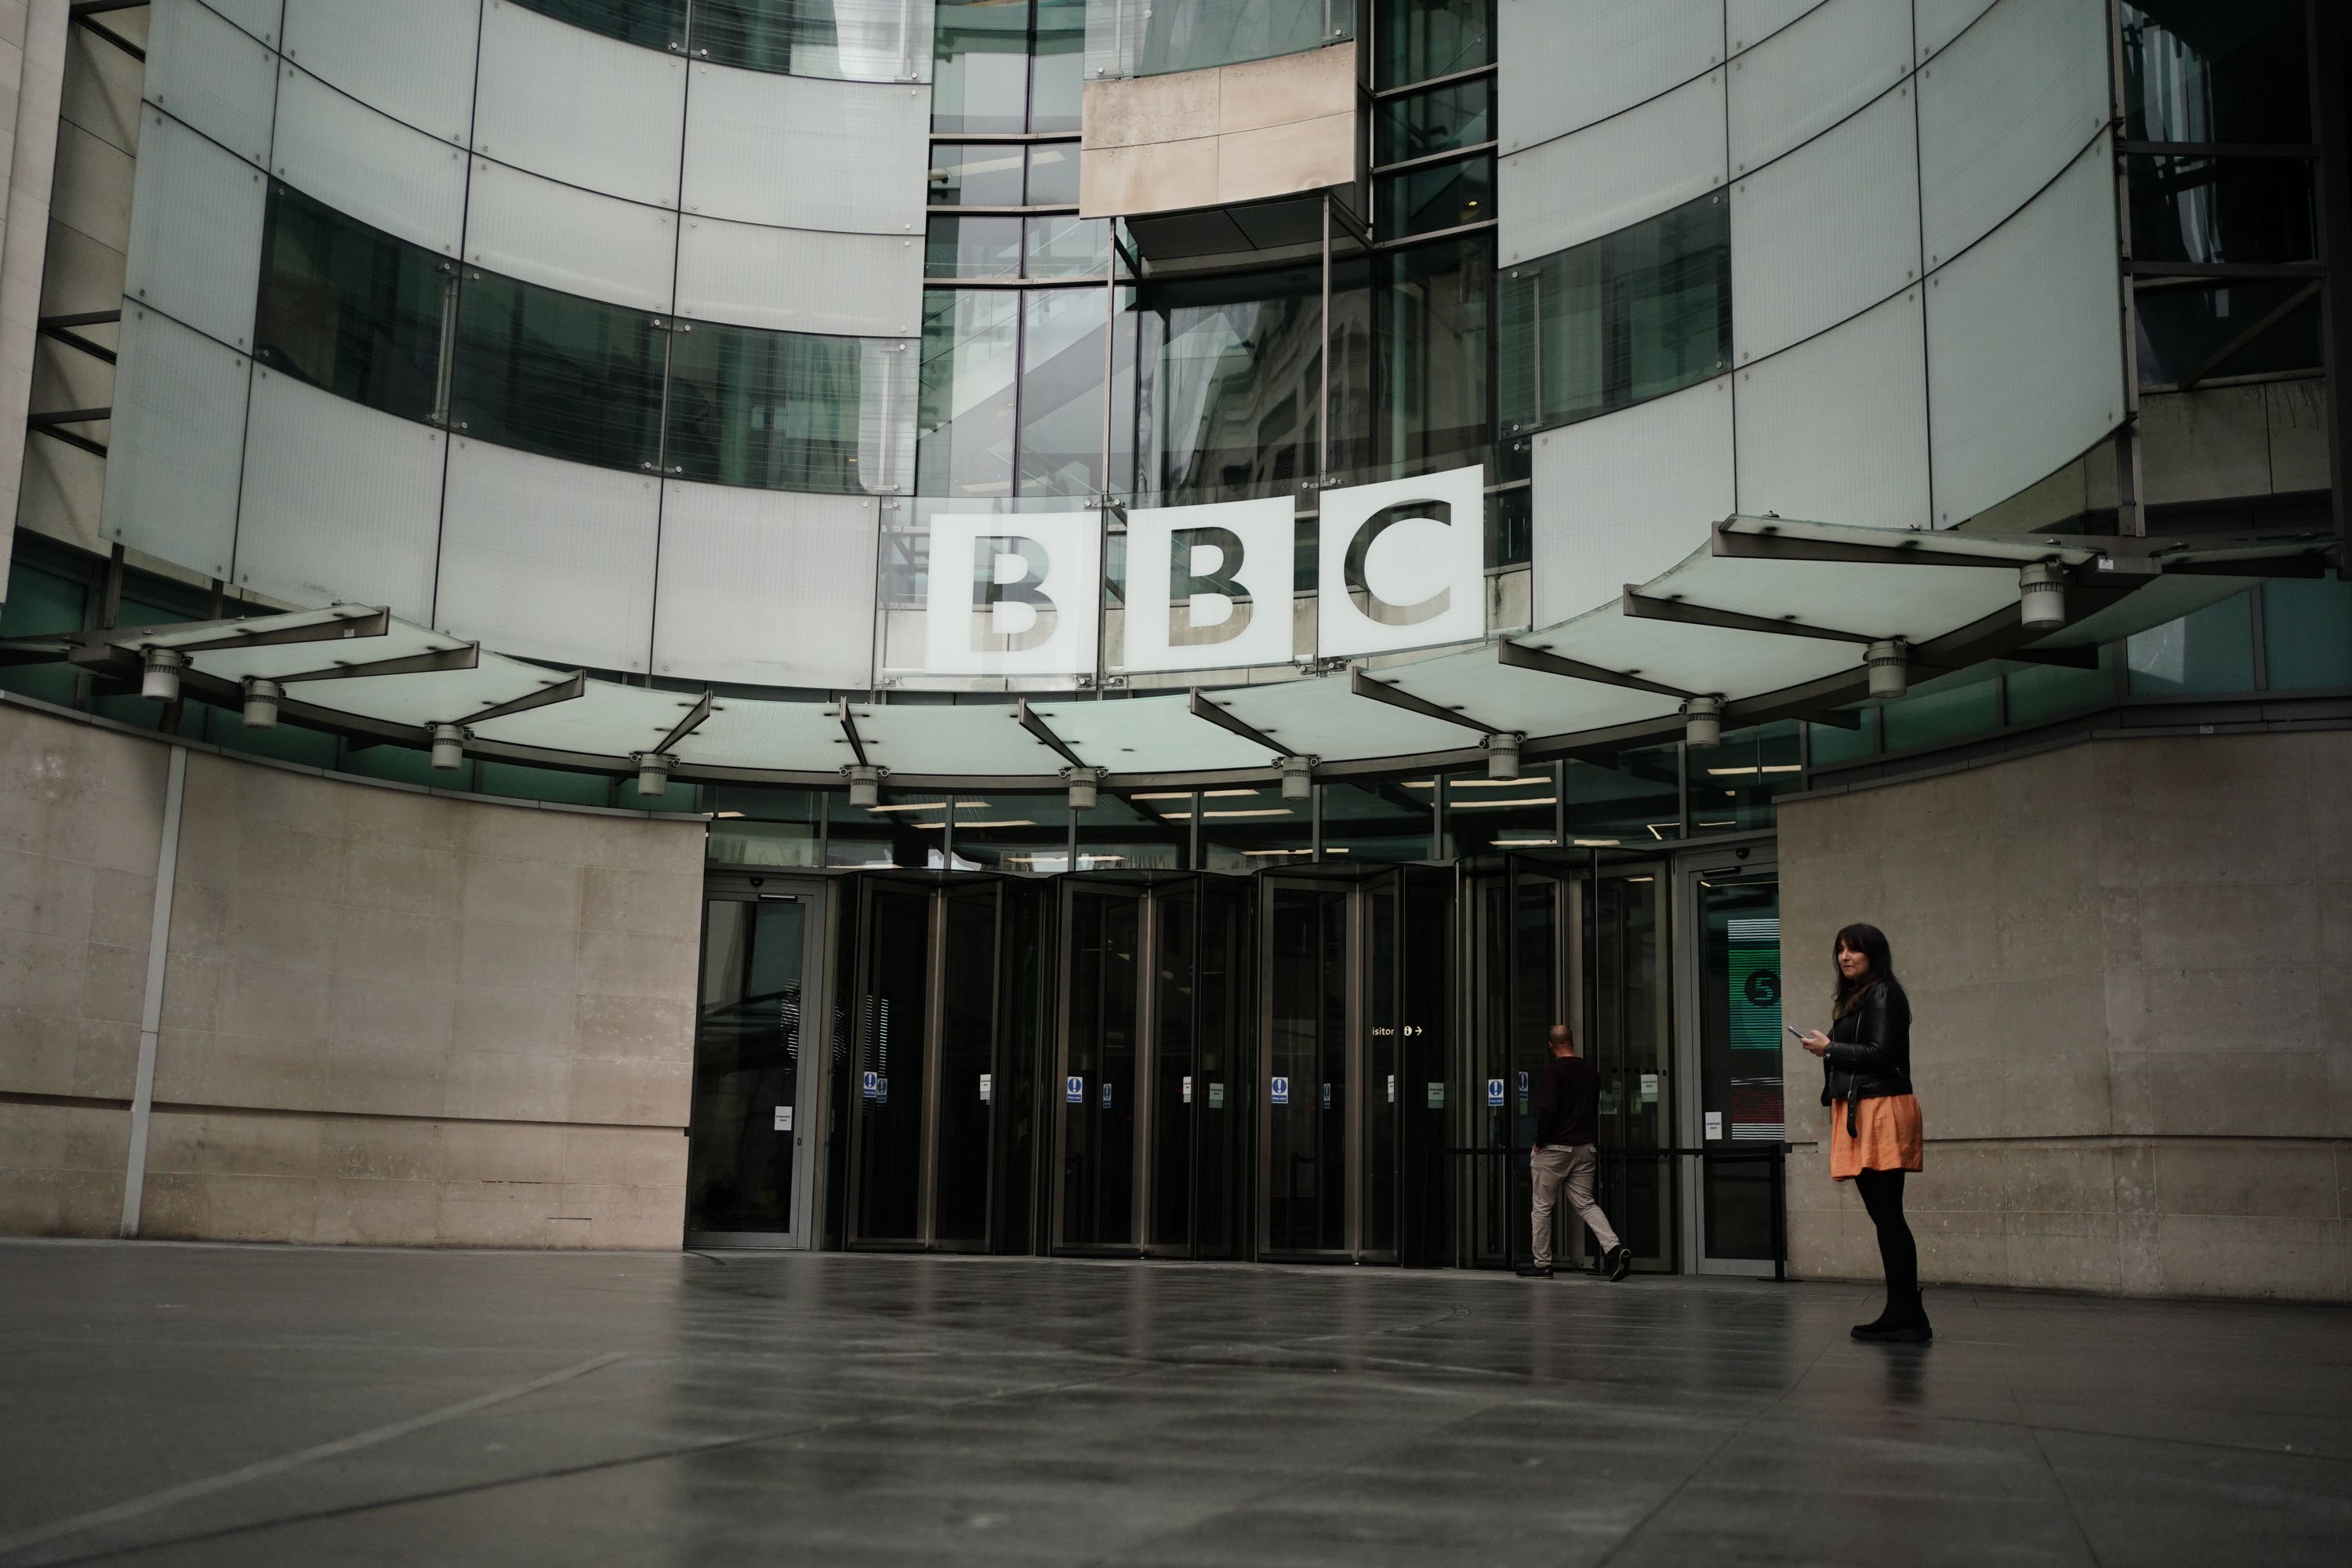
{"x": 1642, "y": 608}
{"x": 1519, "y": 655}
{"x": 695, "y": 714}
{"x": 1038, "y": 726}
{"x": 848, "y": 723}
{"x": 1203, "y": 706}
{"x": 547, "y": 696}
{"x": 1362, "y": 685}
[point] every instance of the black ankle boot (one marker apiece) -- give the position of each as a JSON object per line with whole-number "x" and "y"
{"x": 1903, "y": 1322}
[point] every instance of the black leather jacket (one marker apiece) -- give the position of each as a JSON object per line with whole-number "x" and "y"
{"x": 1869, "y": 1050}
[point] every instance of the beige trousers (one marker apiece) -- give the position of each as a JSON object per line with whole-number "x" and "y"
{"x": 1573, "y": 1164}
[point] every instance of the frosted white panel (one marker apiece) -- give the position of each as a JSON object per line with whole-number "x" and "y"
{"x": 1798, "y": 84}
{"x": 1567, "y": 63}
{"x": 1938, "y": 22}
{"x": 1750, "y": 22}
{"x": 258, "y": 17}
{"x": 548, "y": 559}
{"x": 340, "y": 502}
{"x": 765, "y": 586}
{"x": 569, "y": 238}
{"x": 590, "y": 110}
{"x": 195, "y": 231}
{"x": 211, "y": 75}
{"x": 413, "y": 60}
{"x": 2025, "y": 344}
{"x": 859, "y": 152}
{"x": 2003, "y": 110}
{"x": 799, "y": 280}
{"x": 1836, "y": 429}
{"x": 174, "y": 444}
{"x": 368, "y": 165}
{"x": 1826, "y": 232}
{"x": 1580, "y": 187}
{"x": 1619, "y": 499}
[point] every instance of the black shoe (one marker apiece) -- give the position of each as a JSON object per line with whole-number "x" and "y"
{"x": 1535, "y": 1271}
{"x": 1620, "y": 1260}
{"x": 1903, "y": 1323}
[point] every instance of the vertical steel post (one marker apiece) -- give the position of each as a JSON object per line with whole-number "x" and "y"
{"x": 1323, "y": 420}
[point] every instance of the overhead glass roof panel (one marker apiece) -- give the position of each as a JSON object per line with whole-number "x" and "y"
{"x": 1147, "y": 735}
{"x": 976, "y": 740}
{"x": 1323, "y": 719}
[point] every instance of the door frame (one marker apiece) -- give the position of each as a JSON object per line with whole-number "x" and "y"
{"x": 809, "y": 1080}
{"x": 1351, "y": 1155}
{"x": 1754, "y": 859}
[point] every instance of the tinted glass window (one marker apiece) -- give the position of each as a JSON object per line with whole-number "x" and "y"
{"x": 1419, "y": 39}
{"x": 973, "y": 247}
{"x": 1057, "y": 70}
{"x": 556, "y": 373}
{"x": 971, "y": 345}
{"x": 853, "y": 40}
{"x": 348, "y": 308}
{"x": 656, "y": 24}
{"x": 1432, "y": 317}
{"x": 1438, "y": 120}
{"x": 778, "y": 410}
{"x": 980, "y": 65}
{"x": 977, "y": 174}
{"x": 1444, "y": 195}
{"x": 1054, "y": 175}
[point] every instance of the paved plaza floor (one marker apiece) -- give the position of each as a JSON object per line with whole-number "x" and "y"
{"x": 225, "y": 1405}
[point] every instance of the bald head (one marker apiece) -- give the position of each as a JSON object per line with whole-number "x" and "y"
{"x": 1562, "y": 1040}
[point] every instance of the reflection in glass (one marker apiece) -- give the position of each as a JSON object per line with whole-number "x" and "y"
{"x": 1940, "y": 711}
{"x": 349, "y": 308}
{"x": 1057, "y": 65}
{"x": 1054, "y": 175}
{"x": 890, "y": 1008}
{"x": 655, "y": 24}
{"x": 1438, "y": 120}
{"x": 2237, "y": 74}
{"x": 1433, "y": 370}
{"x": 1637, "y": 799}
{"x": 1098, "y": 1102}
{"x": 1025, "y": 835}
{"x": 1381, "y": 820}
{"x": 843, "y": 40}
{"x": 1419, "y": 39}
{"x": 1151, "y": 831}
{"x": 754, "y": 826}
{"x": 971, "y": 342}
{"x": 980, "y": 71}
{"x": 2035, "y": 692}
{"x": 1740, "y": 1043}
{"x": 778, "y": 410}
{"x": 1062, "y": 392}
{"x": 1629, "y": 1006}
{"x": 1382, "y": 1091}
{"x": 2306, "y": 635}
{"x": 1437, "y": 196}
{"x": 1630, "y": 316}
{"x": 1484, "y": 814}
{"x": 1175, "y": 1094}
{"x": 1064, "y": 244}
{"x": 2221, "y": 209}
{"x": 973, "y": 247}
{"x": 556, "y": 373}
{"x": 1248, "y": 828}
{"x": 1205, "y": 33}
{"x": 976, "y": 175}
{"x": 1732, "y": 785}
{"x": 2200, "y": 331}
{"x": 2212, "y": 650}
{"x": 746, "y": 1048}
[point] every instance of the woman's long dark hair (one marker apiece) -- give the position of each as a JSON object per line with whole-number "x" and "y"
{"x": 1871, "y": 942}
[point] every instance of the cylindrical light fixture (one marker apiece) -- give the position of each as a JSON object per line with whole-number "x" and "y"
{"x": 1503, "y": 756}
{"x": 2042, "y": 595}
{"x": 1703, "y": 721}
{"x": 652, "y": 772}
{"x": 1889, "y": 664}
{"x": 865, "y": 785}
{"x": 1084, "y": 783}
{"x": 261, "y": 702}
{"x": 448, "y": 747}
{"x": 160, "y": 681}
{"x": 1297, "y": 778}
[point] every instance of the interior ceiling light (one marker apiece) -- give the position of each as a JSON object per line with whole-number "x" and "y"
{"x": 1262, "y": 811}
{"x": 1498, "y": 804}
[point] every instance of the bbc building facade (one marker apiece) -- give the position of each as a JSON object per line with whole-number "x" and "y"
{"x": 1063, "y": 626}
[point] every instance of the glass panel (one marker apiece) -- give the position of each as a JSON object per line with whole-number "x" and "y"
{"x": 1422, "y": 39}
{"x": 1627, "y": 1050}
{"x": 751, "y": 826}
{"x": 556, "y": 373}
{"x": 981, "y": 66}
{"x": 1732, "y": 786}
{"x": 977, "y": 174}
{"x": 1942, "y": 712}
{"x": 1484, "y": 814}
{"x": 1831, "y": 745}
{"x": 890, "y": 1020}
{"x": 1306, "y": 1048}
{"x": 547, "y": 783}
{"x": 1739, "y": 1059}
{"x": 1438, "y": 120}
{"x": 973, "y": 247}
{"x": 1221, "y": 1080}
{"x": 1433, "y": 366}
{"x": 967, "y": 1062}
{"x": 1068, "y": 245}
{"x": 1097, "y": 1100}
{"x": 1637, "y": 801}
{"x": 349, "y": 308}
{"x": 1380, "y": 821}
{"x": 1205, "y": 33}
{"x": 2308, "y": 635}
{"x": 972, "y": 340}
{"x": 1147, "y": 831}
{"x": 1025, "y": 834}
{"x": 2243, "y": 81}
{"x": 2221, "y": 209}
{"x": 1022, "y": 1041}
{"x": 2209, "y": 651}
{"x": 1057, "y": 65}
{"x": 1175, "y": 1091}
{"x": 775, "y": 410}
{"x": 1442, "y": 196}
{"x": 851, "y": 40}
{"x": 1630, "y": 316}
{"x": 1383, "y": 1094}
{"x": 2040, "y": 691}
{"x": 1054, "y": 175}
{"x": 908, "y": 828}
{"x": 656, "y": 24}
{"x": 40, "y": 602}
{"x": 2203, "y": 331}
{"x": 1247, "y": 829}
{"x": 746, "y": 1048}
{"x": 286, "y": 741}
{"x": 1062, "y": 392}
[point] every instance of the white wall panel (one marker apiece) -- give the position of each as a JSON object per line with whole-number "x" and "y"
{"x": 765, "y": 586}
{"x": 589, "y": 110}
{"x": 800, "y": 280}
{"x": 1567, "y": 63}
{"x": 2003, "y": 111}
{"x": 210, "y": 75}
{"x": 174, "y": 445}
{"x": 1580, "y": 187}
{"x": 1798, "y": 84}
{"x": 195, "y": 230}
{"x": 857, "y": 151}
{"x": 569, "y": 238}
{"x": 370, "y": 165}
{"x": 1938, "y": 22}
{"x": 413, "y": 60}
{"x": 340, "y": 502}
{"x": 258, "y": 17}
{"x": 1836, "y": 429}
{"x": 1826, "y": 232}
{"x": 1750, "y": 22}
{"x": 548, "y": 559}
{"x": 1619, "y": 499}
{"x": 2025, "y": 344}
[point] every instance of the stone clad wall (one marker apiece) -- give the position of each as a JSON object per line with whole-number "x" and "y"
{"x": 388, "y": 1016}
{"x": 2131, "y": 963}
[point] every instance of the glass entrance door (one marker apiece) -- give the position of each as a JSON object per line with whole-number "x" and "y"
{"x": 1627, "y": 1011}
{"x": 755, "y": 1092}
{"x": 1305, "y": 1153}
{"x": 1730, "y": 981}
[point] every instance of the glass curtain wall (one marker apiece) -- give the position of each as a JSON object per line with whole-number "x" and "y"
{"x": 1138, "y": 37}
{"x": 851, "y": 40}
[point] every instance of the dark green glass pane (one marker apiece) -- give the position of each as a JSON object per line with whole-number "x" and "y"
{"x": 973, "y": 247}
{"x": 1943, "y": 712}
{"x": 348, "y": 308}
{"x": 1058, "y": 65}
{"x": 843, "y": 40}
{"x": 2042, "y": 691}
{"x": 1446, "y": 195}
{"x": 1438, "y": 120}
{"x": 656, "y": 24}
{"x": 980, "y": 65}
{"x": 548, "y": 784}
{"x": 2199, "y": 330}
{"x": 2222, "y": 209}
{"x": 40, "y": 602}
{"x": 556, "y": 373}
{"x": 2208, "y": 652}
{"x": 286, "y": 742}
{"x": 406, "y": 764}
{"x": 1734, "y": 785}
{"x": 1419, "y": 39}
{"x": 776, "y": 410}
{"x": 1831, "y": 744}
{"x": 2308, "y": 635}
{"x": 1638, "y": 800}
{"x": 1433, "y": 347}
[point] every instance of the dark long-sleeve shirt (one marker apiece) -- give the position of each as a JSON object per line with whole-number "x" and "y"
{"x": 1567, "y": 1103}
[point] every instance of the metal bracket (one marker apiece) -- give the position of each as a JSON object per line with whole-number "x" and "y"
{"x": 1202, "y": 706}
{"x": 841, "y": 716}
{"x": 1642, "y": 607}
{"x": 696, "y": 713}
{"x": 555, "y": 691}
{"x": 1362, "y": 685}
{"x": 1519, "y": 655}
{"x": 1038, "y": 726}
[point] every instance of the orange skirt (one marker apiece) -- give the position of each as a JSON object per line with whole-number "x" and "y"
{"x": 1888, "y": 1136}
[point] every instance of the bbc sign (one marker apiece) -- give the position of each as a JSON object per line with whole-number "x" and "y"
{"x": 1209, "y": 587}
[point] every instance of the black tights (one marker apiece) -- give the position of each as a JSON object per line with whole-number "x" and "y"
{"x": 1881, "y": 1194}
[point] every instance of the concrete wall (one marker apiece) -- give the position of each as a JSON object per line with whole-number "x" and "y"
{"x": 386, "y": 1016}
{"x": 1220, "y": 136}
{"x": 2131, "y": 963}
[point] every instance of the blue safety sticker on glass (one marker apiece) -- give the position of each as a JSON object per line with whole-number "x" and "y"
{"x": 1281, "y": 1095}
{"x": 1494, "y": 1092}
{"x": 1074, "y": 1090}
{"x": 1106, "y": 1091}
{"x": 873, "y": 1085}
{"x": 881, "y": 1092}
{"x": 1523, "y": 1086}
{"x": 1327, "y": 1096}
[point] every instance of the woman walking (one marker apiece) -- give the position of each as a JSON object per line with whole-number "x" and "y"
{"x": 1875, "y": 1127}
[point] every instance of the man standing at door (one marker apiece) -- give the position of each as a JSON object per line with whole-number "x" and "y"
{"x": 1568, "y": 1126}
